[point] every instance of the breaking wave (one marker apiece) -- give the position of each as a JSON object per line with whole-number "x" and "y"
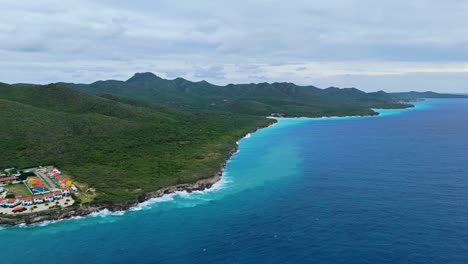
{"x": 184, "y": 198}
{"x": 173, "y": 200}
{"x": 106, "y": 212}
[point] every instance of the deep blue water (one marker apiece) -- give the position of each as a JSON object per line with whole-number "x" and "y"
{"x": 388, "y": 189}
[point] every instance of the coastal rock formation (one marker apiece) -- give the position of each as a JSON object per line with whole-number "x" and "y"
{"x": 84, "y": 210}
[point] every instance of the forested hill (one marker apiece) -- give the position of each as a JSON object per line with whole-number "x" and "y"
{"x": 419, "y": 95}
{"x": 254, "y": 99}
{"x": 117, "y": 146}
{"x": 125, "y": 138}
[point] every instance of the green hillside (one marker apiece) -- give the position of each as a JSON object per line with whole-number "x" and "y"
{"x": 418, "y": 95}
{"x": 127, "y": 138}
{"x": 258, "y": 99}
{"x": 118, "y": 146}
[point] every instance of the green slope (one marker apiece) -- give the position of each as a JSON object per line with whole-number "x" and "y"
{"x": 118, "y": 146}
{"x": 258, "y": 99}
{"x": 419, "y": 95}
{"x": 127, "y": 138}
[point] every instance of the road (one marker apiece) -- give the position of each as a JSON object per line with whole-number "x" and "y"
{"x": 46, "y": 180}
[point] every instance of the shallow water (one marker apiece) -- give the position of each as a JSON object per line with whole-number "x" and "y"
{"x": 387, "y": 189}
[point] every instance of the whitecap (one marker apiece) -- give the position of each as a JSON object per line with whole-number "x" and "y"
{"x": 46, "y": 223}
{"x": 179, "y": 199}
{"x": 147, "y": 204}
{"x": 106, "y": 212}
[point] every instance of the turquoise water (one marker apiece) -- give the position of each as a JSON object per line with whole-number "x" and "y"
{"x": 387, "y": 189}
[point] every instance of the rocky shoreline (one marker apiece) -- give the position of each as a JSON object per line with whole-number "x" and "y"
{"x": 84, "y": 210}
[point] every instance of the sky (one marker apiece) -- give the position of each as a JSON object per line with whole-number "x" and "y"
{"x": 372, "y": 45}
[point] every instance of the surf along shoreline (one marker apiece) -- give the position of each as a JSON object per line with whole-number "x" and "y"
{"x": 84, "y": 210}
{"x": 199, "y": 185}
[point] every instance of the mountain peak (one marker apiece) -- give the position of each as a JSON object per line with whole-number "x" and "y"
{"x": 143, "y": 77}
{"x": 180, "y": 79}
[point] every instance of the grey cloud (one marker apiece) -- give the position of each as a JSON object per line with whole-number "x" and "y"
{"x": 211, "y": 72}
{"x": 176, "y": 37}
{"x": 175, "y": 73}
{"x": 428, "y": 81}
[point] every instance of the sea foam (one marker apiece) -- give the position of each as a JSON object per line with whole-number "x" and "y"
{"x": 180, "y": 199}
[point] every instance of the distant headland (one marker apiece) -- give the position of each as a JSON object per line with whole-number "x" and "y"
{"x": 119, "y": 143}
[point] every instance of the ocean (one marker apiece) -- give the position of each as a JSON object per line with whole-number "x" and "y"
{"x": 386, "y": 189}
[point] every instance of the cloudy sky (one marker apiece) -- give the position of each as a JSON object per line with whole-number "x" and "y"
{"x": 372, "y": 45}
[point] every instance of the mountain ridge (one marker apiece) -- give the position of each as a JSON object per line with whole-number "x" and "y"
{"x": 124, "y": 139}
{"x": 119, "y": 147}
{"x": 264, "y": 98}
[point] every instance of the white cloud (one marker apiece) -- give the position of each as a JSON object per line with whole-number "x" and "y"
{"x": 229, "y": 41}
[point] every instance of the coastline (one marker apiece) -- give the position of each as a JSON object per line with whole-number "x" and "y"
{"x": 84, "y": 210}
{"x": 199, "y": 185}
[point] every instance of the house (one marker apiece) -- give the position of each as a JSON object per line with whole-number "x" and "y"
{"x": 7, "y": 179}
{"x": 2, "y": 202}
{"x": 49, "y": 197}
{"x": 58, "y": 195}
{"x": 27, "y": 201}
{"x": 54, "y": 172}
{"x": 12, "y": 202}
{"x": 2, "y": 189}
{"x": 38, "y": 199}
{"x": 65, "y": 191}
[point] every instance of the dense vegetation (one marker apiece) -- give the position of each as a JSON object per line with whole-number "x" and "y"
{"x": 119, "y": 148}
{"x": 418, "y": 95}
{"x": 257, "y": 99}
{"x": 126, "y": 138}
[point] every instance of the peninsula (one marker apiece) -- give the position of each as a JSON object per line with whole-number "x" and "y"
{"x": 123, "y": 142}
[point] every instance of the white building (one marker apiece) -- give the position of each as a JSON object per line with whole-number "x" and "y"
{"x": 38, "y": 199}
{"x": 65, "y": 191}
{"x": 12, "y": 202}
{"x": 49, "y": 198}
{"x": 27, "y": 201}
{"x": 58, "y": 195}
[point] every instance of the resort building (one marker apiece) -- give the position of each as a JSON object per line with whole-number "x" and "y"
{"x": 65, "y": 191}
{"x": 49, "y": 197}
{"x": 2, "y": 202}
{"x": 38, "y": 199}
{"x": 27, "y": 201}
{"x": 7, "y": 179}
{"x": 57, "y": 176}
{"x": 12, "y": 202}
{"x": 54, "y": 171}
{"x": 58, "y": 195}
